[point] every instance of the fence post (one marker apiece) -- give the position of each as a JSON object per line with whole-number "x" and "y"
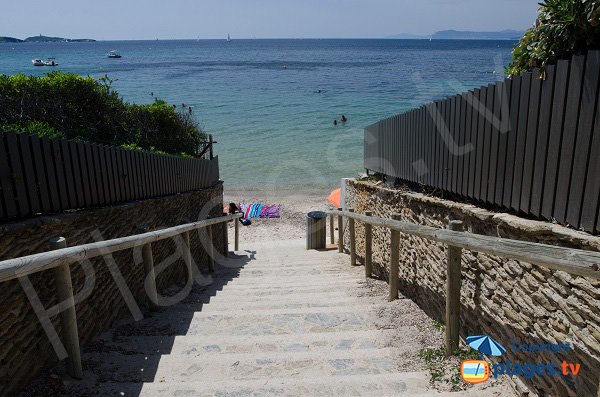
{"x": 225, "y": 232}
{"x": 210, "y": 250}
{"x": 187, "y": 255}
{"x": 236, "y": 223}
{"x": 331, "y": 230}
{"x": 150, "y": 280}
{"x": 340, "y": 220}
{"x": 394, "y": 261}
{"x": 368, "y": 247}
{"x": 210, "y": 140}
{"x": 64, "y": 292}
{"x": 453, "y": 292}
{"x": 351, "y": 227}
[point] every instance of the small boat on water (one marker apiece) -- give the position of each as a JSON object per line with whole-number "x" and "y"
{"x": 37, "y": 62}
{"x": 50, "y": 62}
{"x": 228, "y": 38}
{"x": 113, "y": 54}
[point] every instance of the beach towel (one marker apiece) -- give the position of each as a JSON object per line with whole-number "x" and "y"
{"x": 259, "y": 210}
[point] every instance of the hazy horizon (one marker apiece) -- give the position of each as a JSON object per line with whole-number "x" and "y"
{"x": 271, "y": 19}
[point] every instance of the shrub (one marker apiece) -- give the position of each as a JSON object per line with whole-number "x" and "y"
{"x": 563, "y": 28}
{"x": 82, "y": 108}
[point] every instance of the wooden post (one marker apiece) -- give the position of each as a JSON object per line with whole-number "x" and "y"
{"x": 331, "y": 230}
{"x": 237, "y": 234}
{"x": 225, "y": 232}
{"x": 210, "y": 142}
{"x": 187, "y": 255}
{"x": 352, "y": 239}
{"x": 394, "y": 261}
{"x": 368, "y": 247}
{"x": 150, "y": 277}
{"x": 453, "y": 293}
{"x": 340, "y": 232}
{"x": 68, "y": 317}
{"x": 210, "y": 250}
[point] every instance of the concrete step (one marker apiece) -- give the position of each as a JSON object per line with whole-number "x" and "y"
{"x": 274, "y": 284}
{"x": 260, "y": 280}
{"x": 225, "y": 344}
{"x": 403, "y": 384}
{"x": 196, "y": 367}
{"x": 277, "y": 324}
{"x": 308, "y": 290}
{"x": 262, "y": 304}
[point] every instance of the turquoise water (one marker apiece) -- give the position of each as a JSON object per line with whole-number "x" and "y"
{"x": 260, "y": 98}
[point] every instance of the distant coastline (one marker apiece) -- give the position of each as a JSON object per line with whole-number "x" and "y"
{"x": 42, "y": 39}
{"x": 463, "y": 35}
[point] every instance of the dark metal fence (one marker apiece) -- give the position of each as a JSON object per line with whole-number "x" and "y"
{"x": 527, "y": 144}
{"x": 41, "y": 175}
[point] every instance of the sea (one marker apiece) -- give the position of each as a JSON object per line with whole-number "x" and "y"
{"x": 271, "y": 104}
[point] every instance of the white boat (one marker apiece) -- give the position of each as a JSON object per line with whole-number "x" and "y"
{"x": 113, "y": 54}
{"x": 50, "y": 62}
{"x": 37, "y": 62}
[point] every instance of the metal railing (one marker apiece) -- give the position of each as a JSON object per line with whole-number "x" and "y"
{"x": 574, "y": 261}
{"x": 62, "y": 257}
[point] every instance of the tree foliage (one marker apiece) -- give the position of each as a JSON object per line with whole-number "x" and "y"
{"x": 563, "y": 28}
{"x": 82, "y": 108}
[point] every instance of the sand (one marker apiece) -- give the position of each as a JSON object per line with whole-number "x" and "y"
{"x": 295, "y": 205}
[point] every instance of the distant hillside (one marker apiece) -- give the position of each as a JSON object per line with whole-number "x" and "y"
{"x": 408, "y": 36}
{"x": 9, "y": 40}
{"x": 466, "y": 35}
{"x": 42, "y": 39}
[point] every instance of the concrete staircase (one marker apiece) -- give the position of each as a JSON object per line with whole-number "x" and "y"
{"x": 277, "y": 320}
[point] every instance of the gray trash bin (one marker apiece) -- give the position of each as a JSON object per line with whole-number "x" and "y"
{"x": 315, "y": 230}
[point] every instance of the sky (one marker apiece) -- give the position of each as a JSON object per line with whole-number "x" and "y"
{"x": 191, "y": 19}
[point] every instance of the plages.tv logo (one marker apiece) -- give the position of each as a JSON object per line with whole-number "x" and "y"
{"x": 478, "y": 371}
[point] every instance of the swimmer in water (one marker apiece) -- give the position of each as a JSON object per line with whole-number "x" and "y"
{"x": 344, "y": 119}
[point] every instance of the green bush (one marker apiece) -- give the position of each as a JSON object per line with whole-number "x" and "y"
{"x": 82, "y": 108}
{"x": 563, "y": 28}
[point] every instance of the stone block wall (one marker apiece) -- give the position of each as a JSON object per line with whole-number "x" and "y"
{"x": 508, "y": 300}
{"x": 24, "y": 347}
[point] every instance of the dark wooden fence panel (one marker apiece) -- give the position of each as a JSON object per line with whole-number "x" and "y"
{"x": 533, "y": 144}
{"x": 530, "y": 141}
{"x": 541, "y": 150}
{"x": 43, "y": 176}
{"x": 582, "y": 141}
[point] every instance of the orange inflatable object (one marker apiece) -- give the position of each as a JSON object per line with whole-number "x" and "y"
{"x": 334, "y": 198}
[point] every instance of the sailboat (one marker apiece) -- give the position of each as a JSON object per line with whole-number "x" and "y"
{"x": 228, "y": 38}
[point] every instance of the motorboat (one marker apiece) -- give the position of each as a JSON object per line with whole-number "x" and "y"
{"x": 113, "y": 54}
{"x": 50, "y": 62}
{"x": 38, "y": 62}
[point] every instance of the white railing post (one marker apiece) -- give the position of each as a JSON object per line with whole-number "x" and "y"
{"x": 68, "y": 317}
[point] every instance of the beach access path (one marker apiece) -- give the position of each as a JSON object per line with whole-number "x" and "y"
{"x": 276, "y": 320}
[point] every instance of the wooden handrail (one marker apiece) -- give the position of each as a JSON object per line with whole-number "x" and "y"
{"x": 570, "y": 260}
{"x": 62, "y": 257}
{"x": 574, "y": 261}
{"x": 26, "y": 265}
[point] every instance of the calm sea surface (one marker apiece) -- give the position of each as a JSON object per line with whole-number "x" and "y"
{"x": 261, "y": 100}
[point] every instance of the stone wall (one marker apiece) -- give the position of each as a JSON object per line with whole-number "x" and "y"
{"x": 508, "y": 300}
{"x": 24, "y": 347}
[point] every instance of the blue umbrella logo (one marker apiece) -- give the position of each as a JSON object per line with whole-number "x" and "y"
{"x": 485, "y": 345}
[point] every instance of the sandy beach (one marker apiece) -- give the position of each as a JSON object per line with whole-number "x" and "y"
{"x": 295, "y": 204}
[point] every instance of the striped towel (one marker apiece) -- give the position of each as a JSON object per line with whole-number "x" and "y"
{"x": 258, "y": 210}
